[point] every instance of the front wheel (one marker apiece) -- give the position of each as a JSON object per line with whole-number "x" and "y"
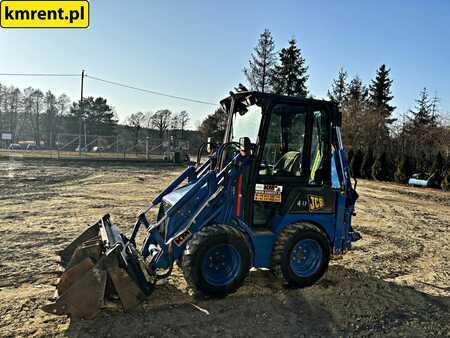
{"x": 216, "y": 260}
{"x": 301, "y": 254}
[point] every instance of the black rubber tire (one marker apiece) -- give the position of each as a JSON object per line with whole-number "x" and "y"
{"x": 284, "y": 244}
{"x": 197, "y": 247}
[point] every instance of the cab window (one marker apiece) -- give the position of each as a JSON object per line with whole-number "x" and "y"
{"x": 246, "y": 124}
{"x": 283, "y": 150}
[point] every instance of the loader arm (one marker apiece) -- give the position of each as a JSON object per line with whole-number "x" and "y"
{"x": 209, "y": 197}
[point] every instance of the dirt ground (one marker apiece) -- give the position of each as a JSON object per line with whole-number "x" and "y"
{"x": 396, "y": 281}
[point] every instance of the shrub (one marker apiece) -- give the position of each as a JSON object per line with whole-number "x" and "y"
{"x": 446, "y": 181}
{"x": 367, "y": 163}
{"x": 350, "y": 154}
{"x": 380, "y": 168}
{"x": 404, "y": 170}
{"x": 438, "y": 165}
{"x": 356, "y": 163}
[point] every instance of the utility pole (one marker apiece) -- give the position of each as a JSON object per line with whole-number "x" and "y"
{"x": 82, "y": 112}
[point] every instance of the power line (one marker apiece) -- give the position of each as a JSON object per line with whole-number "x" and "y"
{"x": 113, "y": 83}
{"x": 38, "y": 74}
{"x": 151, "y": 91}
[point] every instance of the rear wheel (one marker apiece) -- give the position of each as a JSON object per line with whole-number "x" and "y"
{"x": 301, "y": 254}
{"x": 216, "y": 260}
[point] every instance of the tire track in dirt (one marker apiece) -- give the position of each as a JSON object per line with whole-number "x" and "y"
{"x": 395, "y": 281}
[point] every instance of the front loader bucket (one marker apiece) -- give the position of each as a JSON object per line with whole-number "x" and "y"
{"x": 100, "y": 264}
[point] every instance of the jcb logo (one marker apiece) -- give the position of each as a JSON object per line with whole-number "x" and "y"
{"x": 316, "y": 202}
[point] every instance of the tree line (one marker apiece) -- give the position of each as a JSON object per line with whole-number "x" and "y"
{"x": 33, "y": 115}
{"x": 163, "y": 121}
{"x": 381, "y": 143}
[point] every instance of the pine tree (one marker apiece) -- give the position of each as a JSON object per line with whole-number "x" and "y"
{"x": 353, "y": 112}
{"x": 356, "y": 163}
{"x": 214, "y": 125}
{"x": 380, "y": 168}
{"x": 424, "y": 114}
{"x": 366, "y": 167}
{"x": 291, "y": 74}
{"x": 260, "y": 70}
{"x": 338, "y": 91}
{"x": 357, "y": 92}
{"x": 380, "y": 108}
{"x": 404, "y": 170}
{"x": 380, "y": 93}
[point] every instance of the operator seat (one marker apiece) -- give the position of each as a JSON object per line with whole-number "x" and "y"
{"x": 289, "y": 163}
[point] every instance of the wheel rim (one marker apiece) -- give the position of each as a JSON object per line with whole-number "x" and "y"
{"x": 221, "y": 265}
{"x": 306, "y": 257}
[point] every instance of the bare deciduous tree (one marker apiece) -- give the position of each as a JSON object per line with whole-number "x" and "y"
{"x": 184, "y": 119}
{"x": 136, "y": 121}
{"x": 161, "y": 121}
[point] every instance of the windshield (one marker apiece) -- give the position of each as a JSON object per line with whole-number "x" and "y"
{"x": 246, "y": 125}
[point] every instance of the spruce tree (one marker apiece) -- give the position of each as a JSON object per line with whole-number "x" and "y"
{"x": 291, "y": 73}
{"x": 380, "y": 108}
{"x": 366, "y": 167}
{"x": 380, "y": 93}
{"x": 357, "y": 93}
{"x": 424, "y": 114}
{"x": 260, "y": 71}
{"x": 404, "y": 170}
{"x": 356, "y": 163}
{"x": 353, "y": 110}
{"x": 338, "y": 91}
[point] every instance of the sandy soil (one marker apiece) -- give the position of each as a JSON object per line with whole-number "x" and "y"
{"x": 396, "y": 281}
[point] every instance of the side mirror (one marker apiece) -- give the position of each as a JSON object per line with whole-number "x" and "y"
{"x": 245, "y": 146}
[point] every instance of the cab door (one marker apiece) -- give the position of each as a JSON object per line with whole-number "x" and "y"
{"x": 292, "y": 166}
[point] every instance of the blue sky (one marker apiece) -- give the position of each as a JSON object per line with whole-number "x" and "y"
{"x": 199, "y": 48}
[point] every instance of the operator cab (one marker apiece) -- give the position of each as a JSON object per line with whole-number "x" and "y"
{"x": 291, "y": 158}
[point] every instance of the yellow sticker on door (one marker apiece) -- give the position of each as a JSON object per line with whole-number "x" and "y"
{"x": 268, "y": 193}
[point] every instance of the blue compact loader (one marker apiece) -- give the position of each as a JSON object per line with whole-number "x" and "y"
{"x": 276, "y": 194}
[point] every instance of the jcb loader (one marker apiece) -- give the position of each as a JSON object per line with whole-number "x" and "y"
{"x": 276, "y": 194}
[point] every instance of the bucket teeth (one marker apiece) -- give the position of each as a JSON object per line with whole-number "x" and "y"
{"x": 99, "y": 265}
{"x": 83, "y": 298}
{"x": 74, "y": 274}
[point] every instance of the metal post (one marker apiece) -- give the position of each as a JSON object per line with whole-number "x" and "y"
{"x": 82, "y": 110}
{"x": 85, "y": 136}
